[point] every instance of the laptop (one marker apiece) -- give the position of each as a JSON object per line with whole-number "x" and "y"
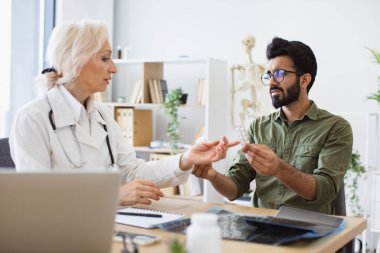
{"x": 57, "y": 211}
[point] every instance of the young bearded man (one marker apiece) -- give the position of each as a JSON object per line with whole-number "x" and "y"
{"x": 299, "y": 154}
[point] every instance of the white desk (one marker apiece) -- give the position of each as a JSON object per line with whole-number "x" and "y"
{"x": 188, "y": 206}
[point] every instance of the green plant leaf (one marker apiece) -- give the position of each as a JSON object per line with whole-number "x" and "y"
{"x": 354, "y": 172}
{"x": 177, "y": 247}
{"x": 376, "y": 95}
{"x": 171, "y": 105}
{"x": 375, "y": 55}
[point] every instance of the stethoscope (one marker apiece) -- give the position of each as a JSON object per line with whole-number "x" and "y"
{"x": 82, "y": 163}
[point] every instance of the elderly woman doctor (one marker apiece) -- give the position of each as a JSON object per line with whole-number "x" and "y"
{"x": 65, "y": 128}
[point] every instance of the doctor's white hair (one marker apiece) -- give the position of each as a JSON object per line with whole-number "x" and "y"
{"x": 70, "y": 47}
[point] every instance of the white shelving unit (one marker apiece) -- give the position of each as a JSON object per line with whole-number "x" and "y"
{"x": 375, "y": 225}
{"x": 184, "y": 73}
{"x": 365, "y": 127}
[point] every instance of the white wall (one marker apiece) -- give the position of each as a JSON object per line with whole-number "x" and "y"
{"x": 337, "y": 30}
{"x": 74, "y": 10}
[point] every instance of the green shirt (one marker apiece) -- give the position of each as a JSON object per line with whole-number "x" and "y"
{"x": 319, "y": 144}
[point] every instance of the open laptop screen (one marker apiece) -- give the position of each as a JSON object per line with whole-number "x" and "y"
{"x": 57, "y": 211}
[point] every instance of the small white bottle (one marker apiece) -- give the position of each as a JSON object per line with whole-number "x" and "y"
{"x": 204, "y": 234}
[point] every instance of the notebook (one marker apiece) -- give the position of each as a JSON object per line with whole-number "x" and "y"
{"x": 57, "y": 212}
{"x": 145, "y": 222}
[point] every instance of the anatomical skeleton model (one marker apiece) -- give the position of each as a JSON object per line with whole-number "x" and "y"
{"x": 249, "y": 78}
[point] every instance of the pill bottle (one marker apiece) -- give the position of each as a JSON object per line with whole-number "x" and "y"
{"x": 204, "y": 234}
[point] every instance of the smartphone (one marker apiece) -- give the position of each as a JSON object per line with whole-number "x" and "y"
{"x": 146, "y": 239}
{"x": 136, "y": 238}
{"x": 242, "y": 134}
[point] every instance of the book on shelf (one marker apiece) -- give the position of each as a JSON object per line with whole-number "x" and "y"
{"x": 152, "y": 92}
{"x": 201, "y": 98}
{"x": 140, "y": 94}
{"x": 136, "y": 94}
{"x": 164, "y": 89}
{"x": 157, "y": 91}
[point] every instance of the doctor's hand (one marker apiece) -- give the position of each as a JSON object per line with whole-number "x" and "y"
{"x": 206, "y": 153}
{"x": 262, "y": 159}
{"x": 205, "y": 171}
{"x": 139, "y": 191}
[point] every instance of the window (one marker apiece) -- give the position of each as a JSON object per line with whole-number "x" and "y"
{"x": 5, "y": 60}
{"x": 30, "y": 25}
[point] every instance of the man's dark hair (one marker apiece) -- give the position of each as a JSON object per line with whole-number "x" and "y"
{"x": 301, "y": 54}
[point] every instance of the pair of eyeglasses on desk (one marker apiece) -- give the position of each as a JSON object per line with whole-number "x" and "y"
{"x": 133, "y": 240}
{"x": 129, "y": 247}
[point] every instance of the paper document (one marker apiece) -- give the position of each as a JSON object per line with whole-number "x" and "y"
{"x": 145, "y": 221}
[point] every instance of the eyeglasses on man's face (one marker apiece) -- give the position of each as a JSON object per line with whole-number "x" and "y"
{"x": 278, "y": 75}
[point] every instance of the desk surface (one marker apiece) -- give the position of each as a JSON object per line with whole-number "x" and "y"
{"x": 188, "y": 206}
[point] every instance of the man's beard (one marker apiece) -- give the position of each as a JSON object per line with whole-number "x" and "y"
{"x": 293, "y": 94}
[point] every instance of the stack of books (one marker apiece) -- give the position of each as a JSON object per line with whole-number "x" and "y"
{"x": 158, "y": 90}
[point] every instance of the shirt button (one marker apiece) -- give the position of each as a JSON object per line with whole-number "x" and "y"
{"x": 286, "y": 151}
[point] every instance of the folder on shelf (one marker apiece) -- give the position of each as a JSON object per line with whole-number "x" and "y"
{"x": 135, "y": 125}
{"x": 121, "y": 119}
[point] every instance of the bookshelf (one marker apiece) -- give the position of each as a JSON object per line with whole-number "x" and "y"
{"x": 185, "y": 73}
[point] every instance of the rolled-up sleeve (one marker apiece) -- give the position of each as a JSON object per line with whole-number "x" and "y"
{"x": 241, "y": 173}
{"x": 333, "y": 162}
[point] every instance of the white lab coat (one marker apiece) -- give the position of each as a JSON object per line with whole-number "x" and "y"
{"x": 35, "y": 146}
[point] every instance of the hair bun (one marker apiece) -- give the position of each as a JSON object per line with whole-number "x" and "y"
{"x": 48, "y": 70}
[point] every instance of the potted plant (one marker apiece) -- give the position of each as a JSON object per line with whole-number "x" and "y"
{"x": 176, "y": 246}
{"x": 354, "y": 172}
{"x": 172, "y": 104}
{"x": 376, "y": 95}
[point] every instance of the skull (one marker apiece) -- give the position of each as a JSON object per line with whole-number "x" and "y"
{"x": 248, "y": 43}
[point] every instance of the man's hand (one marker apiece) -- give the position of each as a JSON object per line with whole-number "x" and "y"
{"x": 262, "y": 159}
{"x": 265, "y": 162}
{"x": 139, "y": 191}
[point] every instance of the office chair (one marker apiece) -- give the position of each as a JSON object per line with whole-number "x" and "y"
{"x": 340, "y": 209}
{"x": 5, "y": 155}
